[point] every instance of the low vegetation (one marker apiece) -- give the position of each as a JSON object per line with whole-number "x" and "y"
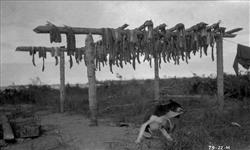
{"x": 126, "y": 101}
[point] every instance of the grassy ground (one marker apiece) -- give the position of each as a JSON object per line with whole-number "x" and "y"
{"x": 199, "y": 128}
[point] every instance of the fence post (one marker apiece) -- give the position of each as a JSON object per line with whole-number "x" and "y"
{"x": 90, "y": 56}
{"x": 220, "y": 77}
{"x": 156, "y": 80}
{"x": 62, "y": 80}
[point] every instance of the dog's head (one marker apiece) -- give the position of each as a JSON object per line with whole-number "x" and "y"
{"x": 171, "y": 109}
{"x": 174, "y": 109}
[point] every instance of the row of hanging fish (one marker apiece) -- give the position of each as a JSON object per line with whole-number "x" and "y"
{"x": 126, "y": 46}
{"x": 54, "y": 51}
{"x": 120, "y": 47}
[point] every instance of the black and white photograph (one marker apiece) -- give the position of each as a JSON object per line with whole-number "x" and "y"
{"x": 124, "y": 75}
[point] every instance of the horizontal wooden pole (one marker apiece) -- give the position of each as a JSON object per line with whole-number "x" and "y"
{"x": 76, "y": 30}
{"x": 228, "y": 35}
{"x": 99, "y": 31}
{"x": 47, "y": 49}
{"x": 234, "y": 30}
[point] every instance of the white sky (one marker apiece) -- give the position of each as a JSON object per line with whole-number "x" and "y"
{"x": 18, "y": 19}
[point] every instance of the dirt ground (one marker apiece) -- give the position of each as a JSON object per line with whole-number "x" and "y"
{"x": 75, "y": 131}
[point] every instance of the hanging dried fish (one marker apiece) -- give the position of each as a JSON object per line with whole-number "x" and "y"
{"x": 133, "y": 62}
{"x": 78, "y": 55}
{"x": 117, "y": 62}
{"x": 70, "y": 61}
{"x": 117, "y": 35}
{"x": 156, "y": 53}
{"x": 200, "y": 48}
{"x": 145, "y": 45}
{"x": 195, "y": 45}
{"x": 169, "y": 50}
{"x": 181, "y": 41}
{"x": 138, "y": 55}
{"x": 57, "y": 54}
{"x": 120, "y": 60}
{"x": 188, "y": 46}
{"x": 71, "y": 41}
{"x": 52, "y": 52}
{"x": 164, "y": 52}
{"x": 55, "y": 35}
{"x": 110, "y": 65}
{"x": 133, "y": 36}
{"x": 159, "y": 59}
{"x": 212, "y": 44}
{"x": 177, "y": 50}
{"x": 107, "y": 38}
{"x": 43, "y": 55}
{"x": 204, "y": 44}
{"x": 150, "y": 62}
{"x": 99, "y": 64}
{"x": 132, "y": 49}
{"x": 132, "y": 45}
{"x": 172, "y": 49}
{"x": 33, "y": 52}
{"x": 125, "y": 46}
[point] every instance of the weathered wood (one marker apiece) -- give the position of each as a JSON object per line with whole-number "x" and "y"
{"x": 156, "y": 80}
{"x": 7, "y": 130}
{"x": 62, "y": 81}
{"x": 220, "y": 78}
{"x": 27, "y": 131}
{"x": 234, "y": 30}
{"x": 25, "y": 127}
{"x": 47, "y": 49}
{"x": 47, "y": 142}
{"x": 89, "y": 43}
{"x": 76, "y": 30}
{"x": 24, "y": 121}
{"x": 226, "y": 35}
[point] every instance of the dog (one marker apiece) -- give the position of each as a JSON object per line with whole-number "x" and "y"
{"x": 157, "y": 120}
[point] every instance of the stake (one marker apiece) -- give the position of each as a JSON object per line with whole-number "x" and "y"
{"x": 91, "y": 79}
{"x": 62, "y": 80}
{"x": 220, "y": 78}
{"x": 156, "y": 81}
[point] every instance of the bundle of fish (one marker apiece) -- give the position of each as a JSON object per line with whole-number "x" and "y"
{"x": 119, "y": 47}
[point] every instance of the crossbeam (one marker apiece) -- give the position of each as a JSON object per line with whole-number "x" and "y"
{"x": 80, "y": 30}
{"x": 234, "y": 30}
{"x": 76, "y": 30}
{"x": 47, "y": 49}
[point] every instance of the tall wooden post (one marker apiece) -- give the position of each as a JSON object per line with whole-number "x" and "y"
{"x": 156, "y": 80}
{"x": 90, "y": 56}
{"x": 150, "y": 26}
{"x": 62, "y": 80}
{"x": 220, "y": 78}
